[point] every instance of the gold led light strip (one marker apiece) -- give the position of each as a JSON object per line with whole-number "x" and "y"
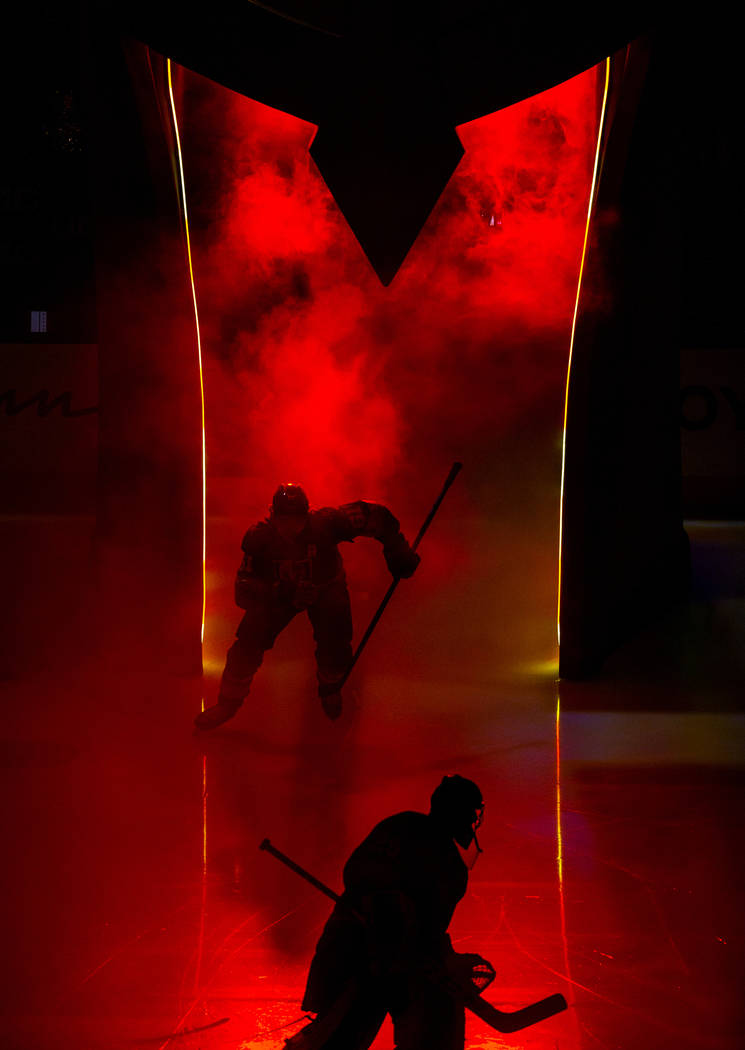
{"x": 559, "y": 835}
{"x": 182, "y": 183}
{"x": 574, "y": 327}
{"x": 560, "y": 841}
{"x": 199, "y": 344}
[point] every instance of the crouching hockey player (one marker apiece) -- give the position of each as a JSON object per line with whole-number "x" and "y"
{"x": 386, "y": 939}
{"x": 291, "y": 563}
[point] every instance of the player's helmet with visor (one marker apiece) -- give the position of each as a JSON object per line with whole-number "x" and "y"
{"x": 290, "y": 500}
{"x": 458, "y": 805}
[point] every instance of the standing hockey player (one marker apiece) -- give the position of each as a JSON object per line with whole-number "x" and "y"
{"x": 386, "y": 939}
{"x": 291, "y": 562}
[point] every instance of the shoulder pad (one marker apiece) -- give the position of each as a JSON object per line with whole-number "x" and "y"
{"x": 256, "y": 537}
{"x": 357, "y": 513}
{"x": 322, "y": 513}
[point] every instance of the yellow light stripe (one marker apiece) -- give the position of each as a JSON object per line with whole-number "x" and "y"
{"x": 560, "y": 855}
{"x": 199, "y": 346}
{"x": 204, "y": 813}
{"x": 574, "y": 327}
{"x": 559, "y": 840}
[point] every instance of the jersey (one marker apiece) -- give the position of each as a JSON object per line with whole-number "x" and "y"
{"x": 404, "y": 881}
{"x": 313, "y": 555}
{"x": 409, "y": 874}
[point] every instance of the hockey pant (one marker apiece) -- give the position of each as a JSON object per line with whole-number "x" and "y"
{"x": 265, "y": 619}
{"x": 424, "y": 1017}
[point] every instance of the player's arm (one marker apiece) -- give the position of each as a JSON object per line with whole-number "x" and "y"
{"x": 375, "y": 886}
{"x": 363, "y": 518}
{"x": 250, "y": 585}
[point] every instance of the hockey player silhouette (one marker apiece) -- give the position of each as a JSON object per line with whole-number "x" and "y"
{"x": 291, "y": 562}
{"x": 387, "y": 936}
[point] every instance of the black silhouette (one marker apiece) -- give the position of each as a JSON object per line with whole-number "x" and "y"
{"x": 292, "y": 563}
{"x": 386, "y": 83}
{"x": 464, "y": 976}
{"x": 387, "y": 937}
{"x": 44, "y": 404}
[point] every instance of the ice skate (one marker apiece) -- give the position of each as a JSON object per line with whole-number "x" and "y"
{"x": 332, "y": 704}
{"x": 214, "y": 716}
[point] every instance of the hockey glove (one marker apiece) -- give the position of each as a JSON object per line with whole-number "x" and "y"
{"x": 401, "y": 560}
{"x": 467, "y": 967}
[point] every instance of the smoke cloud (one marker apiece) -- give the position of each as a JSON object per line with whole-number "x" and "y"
{"x": 317, "y": 373}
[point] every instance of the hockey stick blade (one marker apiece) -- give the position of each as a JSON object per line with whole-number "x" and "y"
{"x": 514, "y": 1021}
{"x": 183, "y": 1032}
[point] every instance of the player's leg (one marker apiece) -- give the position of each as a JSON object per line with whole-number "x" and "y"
{"x": 349, "y": 1023}
{"x": 262, "y": 622}
{"x": 331, "y": 617}
{"x": 424, "y": 1016}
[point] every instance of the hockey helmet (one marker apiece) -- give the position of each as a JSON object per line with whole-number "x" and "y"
{"x": 290, "y": 499}
{"x": 458, "y": 805}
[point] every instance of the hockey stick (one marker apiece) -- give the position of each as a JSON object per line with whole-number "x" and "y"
{"x": 504, "y": 1021}
{"x": 389, "y": 593}
{"x": 315, "y": 883}
{"x": 183, "y": 1032}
